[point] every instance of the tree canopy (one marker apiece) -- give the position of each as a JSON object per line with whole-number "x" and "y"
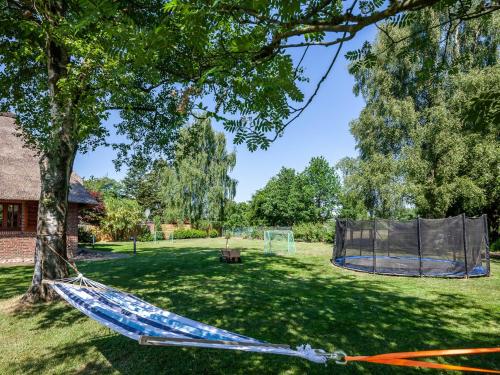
{"x": 428, "y": 136}
{"x": 290, "y": 197}
{"x": 178, "y": 190}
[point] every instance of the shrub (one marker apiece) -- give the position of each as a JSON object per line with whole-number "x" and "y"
{"x": 314, "y": 232}
{"x": 254, "y": 234}
{"x": 144, "y": 234}
{"x": 144, "y": 237}
{"x": 203, "y": 225}
{"x": 84, "y": 235}
{"x": 94, "y": 215}
{"x": 495, "y": 246}
{"x": 189, "y": 233}
{"x": 123, "y": 218}
{"x": 212, "y": 233}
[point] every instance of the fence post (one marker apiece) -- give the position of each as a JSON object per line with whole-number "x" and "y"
{"x": 373, "y": 244}
{"x": 487, "y": 243}
{"x": 465, "y": 246}
{"x": 419, "y": 247}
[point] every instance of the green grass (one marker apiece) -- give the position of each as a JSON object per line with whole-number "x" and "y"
{"x": 281, "y": 299}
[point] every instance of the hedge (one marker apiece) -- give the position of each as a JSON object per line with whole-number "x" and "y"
{"x": 310, "y": 232}
{"x": 189, "y": 233}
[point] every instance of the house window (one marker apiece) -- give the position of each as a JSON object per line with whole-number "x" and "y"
{"x": 11, "y": 216}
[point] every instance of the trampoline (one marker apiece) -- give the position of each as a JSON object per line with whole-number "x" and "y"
{"x": 451, "y": 247}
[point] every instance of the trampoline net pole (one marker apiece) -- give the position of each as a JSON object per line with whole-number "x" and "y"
{"x": 389, "y": 237}
{"x": 360, "y": 241}
{"x": 335, "y": 242}
{"x": 344, "y": 231}
{"x": 373, "y": 244}
{"x": 487, "y": 244}
{"x": 465, "y": 246}
{"x": 419, "y": 248}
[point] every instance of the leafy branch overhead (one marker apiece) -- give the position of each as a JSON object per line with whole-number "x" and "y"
{"x": 157, "y": 63}
{"x": 252, "y": 76}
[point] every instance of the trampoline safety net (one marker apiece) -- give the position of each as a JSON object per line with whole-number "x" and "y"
{"x": 451, "y": 247}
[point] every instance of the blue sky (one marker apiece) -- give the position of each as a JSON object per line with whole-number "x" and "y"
{"x": 323, "y": 129}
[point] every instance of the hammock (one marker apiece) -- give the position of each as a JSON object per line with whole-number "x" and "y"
{"x": 149, "y": 325}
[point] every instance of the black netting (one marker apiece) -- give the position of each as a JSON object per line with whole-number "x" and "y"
{"x": 452, "y": 247}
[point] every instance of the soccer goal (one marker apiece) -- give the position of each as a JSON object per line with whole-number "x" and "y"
{"x": 278, "y": 241}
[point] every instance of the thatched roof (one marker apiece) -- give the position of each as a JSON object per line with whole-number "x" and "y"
{"x": 19, "y": 170}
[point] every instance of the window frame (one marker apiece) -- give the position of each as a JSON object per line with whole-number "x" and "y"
{"x": 5, "y": 213}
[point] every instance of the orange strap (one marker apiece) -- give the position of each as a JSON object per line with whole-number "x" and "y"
{"x": 401, "y": 359}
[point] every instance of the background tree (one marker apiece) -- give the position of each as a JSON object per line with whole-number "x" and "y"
{"x": 373, "y": 187}
{"x": 104, "y": 185}
{"x": 237, "y": 215}
{"x": 145, "y": 184}
{"x": 178, "y": 190}
{"x": 419, "y": 138}
{"x": 325, "y": 186}
{"x": 94, "y": 215}
{"x": 66, "y": 64}
{"x": 202, "y": 166}
{"x": 284, "y": 201}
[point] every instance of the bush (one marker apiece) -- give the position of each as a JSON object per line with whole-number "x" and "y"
{"x": 213, "y": 233}
{"x": 144, "y": 235}
{"x": 254, "y": 234}
{"x": 314, "y": 232}
{"x": 495, "y": 246}
{"x": 189, "y": 233}
{"x": 123, "y": 218}
{"x": 84, "y": 235}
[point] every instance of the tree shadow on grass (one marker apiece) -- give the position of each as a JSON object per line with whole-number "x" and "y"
{"x": 281, "y": 300}
{"x": 14, "y": 280}
{"x": 48, "y": 315}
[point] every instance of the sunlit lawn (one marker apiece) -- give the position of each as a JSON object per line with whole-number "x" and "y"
{"x": 281, "y": 299}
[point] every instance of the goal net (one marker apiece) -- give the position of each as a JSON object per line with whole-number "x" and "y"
{"x": 278, "y": 241}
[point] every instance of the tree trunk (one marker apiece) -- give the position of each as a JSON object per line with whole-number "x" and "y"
{"x": 55, "y": 171}
{"x": 56, "y": 164}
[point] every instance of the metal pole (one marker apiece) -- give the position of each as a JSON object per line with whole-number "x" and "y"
{"x": 487, "y": 243}
{"x": 335, "y": 241}
{"x": 344, "y": 232}
{"x": 388, "y": 238}
{"x": 465, "y": 246}
{"x": 373, "y": 244}
{"x": 419, "y": 247}
{"x": 360, "y": 240}
{"x": 135, "y": 245}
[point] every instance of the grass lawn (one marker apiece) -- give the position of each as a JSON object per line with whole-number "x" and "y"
{"x": 281, "y": 299}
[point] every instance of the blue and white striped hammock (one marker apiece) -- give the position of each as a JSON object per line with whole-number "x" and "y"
{"x": 149, "y": 325}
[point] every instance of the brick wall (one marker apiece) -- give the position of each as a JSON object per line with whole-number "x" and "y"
{"x": 20, "y": 245}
